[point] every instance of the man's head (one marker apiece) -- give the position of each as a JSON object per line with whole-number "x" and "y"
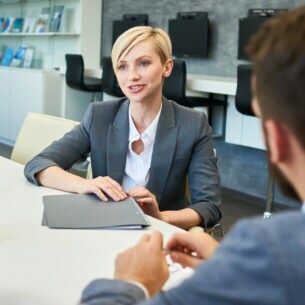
{"x": 278, "y": 55}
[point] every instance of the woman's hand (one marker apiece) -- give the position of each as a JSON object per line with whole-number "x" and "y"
{"x": 146, "y": 200}
{"x": 102, "y": 187}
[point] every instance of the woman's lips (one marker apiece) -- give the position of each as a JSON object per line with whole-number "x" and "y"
{"x": 135, "y": 88}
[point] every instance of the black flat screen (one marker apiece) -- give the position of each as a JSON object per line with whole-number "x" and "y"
{"x": 120, "y": 26}
{"x": 189, "y": 37}
{"x": 247, "y": 27}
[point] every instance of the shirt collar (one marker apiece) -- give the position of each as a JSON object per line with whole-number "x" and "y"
{"x": 303, "y": 207}
{"x": 150, "y": 131}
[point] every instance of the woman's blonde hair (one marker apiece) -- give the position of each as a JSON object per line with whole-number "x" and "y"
{"x": 133, "y": 36}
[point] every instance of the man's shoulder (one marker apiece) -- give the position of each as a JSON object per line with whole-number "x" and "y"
{"x": 279, "y": 220}
{"x": 284, "y": 226}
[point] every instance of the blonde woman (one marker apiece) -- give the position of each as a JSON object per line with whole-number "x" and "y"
{"x": 142, "y": 145}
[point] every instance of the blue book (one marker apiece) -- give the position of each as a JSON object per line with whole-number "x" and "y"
{"x": 56, "y": 18}
{"x": 7, "y": 57}
{"x": 18, "y": 58}
{"x": 7, "y": 24}
{"x": 1, "y": 23}
{"x": 17, "y": 27}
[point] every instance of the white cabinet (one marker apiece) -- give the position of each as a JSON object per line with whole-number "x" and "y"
{"x": 26, "y": 90}
{"x": 42, "y": 88}
{"x": 4, "y": 103}
{"x": 242, "y": 129}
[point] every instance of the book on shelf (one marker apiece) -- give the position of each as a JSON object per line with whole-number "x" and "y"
{"x": 18, "y": 57}
{"x": 7, "y": 24}
{"x": 7, "y": 57}
{"x": 1, "y": 23}
{"x": 29, "y": 25}
{"x": 42, "y": 24}
{"x": 56, "y": 18}
{"x": 17, "y": 26}
{"x": 28, "y": 58}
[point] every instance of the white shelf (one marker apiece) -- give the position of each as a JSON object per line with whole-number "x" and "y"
{"x": 40, "y": 34}
{"x": 80, "y": 31}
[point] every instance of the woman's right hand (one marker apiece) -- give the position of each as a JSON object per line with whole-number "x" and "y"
{"x": 102, "y": 187}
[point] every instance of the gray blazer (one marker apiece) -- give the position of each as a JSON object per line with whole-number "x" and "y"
{"x": 259, "y": 262}
{"x": 182, "y": 148}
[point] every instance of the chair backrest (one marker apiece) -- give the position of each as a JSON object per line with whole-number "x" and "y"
{"x": 243, "y": 93}
{"x": 174, "y": 85}
{"x": 37, "y": 132}
{"x": 75, "y": 71}
{"x": 109, "y": 81}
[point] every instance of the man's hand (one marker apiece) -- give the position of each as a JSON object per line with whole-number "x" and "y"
{"x": 144, "y": 263}
{"x": 102, "y": 186}
{"x": 146, "y": 200}
{"x": 190, "y": 249}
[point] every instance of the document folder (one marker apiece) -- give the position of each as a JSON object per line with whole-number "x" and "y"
{"x": 84, "y": 211}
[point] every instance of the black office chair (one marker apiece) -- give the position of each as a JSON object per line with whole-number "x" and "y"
{"x": 243, "y": 93}
{"x": 109, "y": 82}
{"x": 75, "y": 76}
{"x": 174, "y": 88}
{"x": 243, "y": 105}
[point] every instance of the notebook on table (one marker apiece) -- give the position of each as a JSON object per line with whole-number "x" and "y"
{"x": 84, "y": 211}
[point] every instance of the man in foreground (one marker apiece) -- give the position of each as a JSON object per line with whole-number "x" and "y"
{"x": 260, "y": 261}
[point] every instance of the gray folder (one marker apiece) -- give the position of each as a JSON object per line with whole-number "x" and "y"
{"x": 78, "y": 211}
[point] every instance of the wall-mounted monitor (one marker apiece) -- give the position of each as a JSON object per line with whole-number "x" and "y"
{"x": 250, "y": 25}
{"x": 189, "y": 34}
{"x": 129, "y": 21}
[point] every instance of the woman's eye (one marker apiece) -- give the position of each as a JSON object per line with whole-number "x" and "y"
{"x": 144, "y": 63}
{"x": 122, "y": 67}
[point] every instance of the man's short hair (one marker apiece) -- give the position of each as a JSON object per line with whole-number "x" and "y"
{"x": 278, "y": 54}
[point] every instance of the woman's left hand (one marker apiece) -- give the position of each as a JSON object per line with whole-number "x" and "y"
{"x": 146, "y": 200}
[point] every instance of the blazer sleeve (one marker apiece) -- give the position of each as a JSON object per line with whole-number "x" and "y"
{"x": 203, "y": 176}
{"x": 72, "y": 147}
{"x": 246, "y": 269}
{"x": 112, "y": 292}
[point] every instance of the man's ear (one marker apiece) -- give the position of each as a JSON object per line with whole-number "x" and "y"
{"x": 168, "y": 68}
{"x": 277, "y": 139}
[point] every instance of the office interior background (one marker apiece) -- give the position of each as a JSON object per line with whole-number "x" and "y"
{"x": 242, "y": 168}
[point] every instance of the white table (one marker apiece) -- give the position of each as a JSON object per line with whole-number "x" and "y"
{"x": 42, "y": 266}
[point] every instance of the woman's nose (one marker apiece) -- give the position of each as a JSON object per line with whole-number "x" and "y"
{"x": 133, "y": 74}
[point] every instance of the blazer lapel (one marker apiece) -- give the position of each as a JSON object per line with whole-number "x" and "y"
{"x": 117, "y": 144}
{"x": 164, "y": 149}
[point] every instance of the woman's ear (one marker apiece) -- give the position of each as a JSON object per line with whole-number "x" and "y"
{"x": 168, "y": 68}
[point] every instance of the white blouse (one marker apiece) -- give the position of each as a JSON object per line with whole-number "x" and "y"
{"x": 137, "y": 167}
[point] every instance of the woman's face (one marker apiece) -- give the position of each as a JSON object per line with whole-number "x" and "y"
{"x": 140, "y": 73}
